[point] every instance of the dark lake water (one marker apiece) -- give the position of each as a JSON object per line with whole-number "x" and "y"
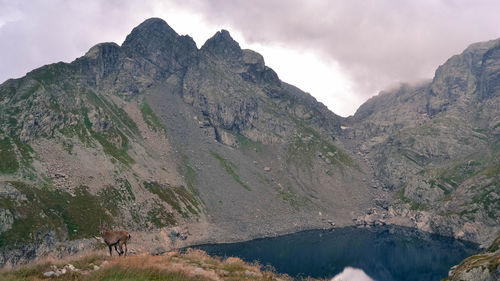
{"x": 384, "y": 254}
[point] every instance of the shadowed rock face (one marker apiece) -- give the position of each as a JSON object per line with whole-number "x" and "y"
{"x": 222, "y": 46}
{"x": 156, "y": 133}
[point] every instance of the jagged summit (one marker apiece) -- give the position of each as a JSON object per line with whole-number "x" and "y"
{"x": 102, "y": 49}
{"x": 151, "y": 29}
{"x": 482, "y": 46}
{"x": 223, "y": 45}
{"x": 155, "y": 38}
{"x": 155, "y": 42}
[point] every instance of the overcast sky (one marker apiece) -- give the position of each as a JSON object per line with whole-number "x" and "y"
{"x": 341, "y": 52}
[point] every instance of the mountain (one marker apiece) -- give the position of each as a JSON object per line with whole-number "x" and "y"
{"x": 182, "y": 145}
{"x": 437, "y": 146}
{"x": 164, "y": 139}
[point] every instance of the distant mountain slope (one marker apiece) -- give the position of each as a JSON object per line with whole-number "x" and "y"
{"x": 169, "y": 141}
{"x": 438, "y": 145}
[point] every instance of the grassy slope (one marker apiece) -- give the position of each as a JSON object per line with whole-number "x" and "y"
{"x": 192, "y": 265}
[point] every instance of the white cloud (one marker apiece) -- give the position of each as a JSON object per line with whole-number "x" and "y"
{"x": 352, "y": 274}
{"x": 341, "y": 52}
{"x": 321, "y": 78}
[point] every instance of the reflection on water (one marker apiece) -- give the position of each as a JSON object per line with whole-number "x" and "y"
{"x": 352, "y": 274}
{"x": 383, "y": 253}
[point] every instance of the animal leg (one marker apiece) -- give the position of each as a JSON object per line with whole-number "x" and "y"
{"x": 110, "y": 251}
{"x": 119, "y": 252}
{"x": 121, "y": 247}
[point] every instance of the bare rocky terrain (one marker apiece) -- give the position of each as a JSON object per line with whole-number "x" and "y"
{"x": 182, "y": 145}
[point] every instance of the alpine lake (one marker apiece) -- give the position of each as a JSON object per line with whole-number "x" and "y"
{"x": 381, "y": 253}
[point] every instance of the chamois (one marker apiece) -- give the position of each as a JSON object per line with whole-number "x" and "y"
{"x": 116, "y": 238}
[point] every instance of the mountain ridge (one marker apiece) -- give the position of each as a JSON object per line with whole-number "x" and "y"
{"x": 184, "y": 145}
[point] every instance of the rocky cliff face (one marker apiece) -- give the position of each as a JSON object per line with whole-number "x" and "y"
{"x": 184, "y": 145}
{"x": 437, "y": 145}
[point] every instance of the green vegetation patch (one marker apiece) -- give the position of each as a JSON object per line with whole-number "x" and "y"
{"x": 414, "y": 157}
{"x": 113, "y": 142}
{"x": 79, "y": 130}
{"x": 287, "y": 194}
{"x": 415, "y": 206}
{"x": 246, "y": 143}
{"x": 48, "y": 73}
{"x": 45, "y": 209}
{"x": 25, "y": 273}
{"x": 8, "y": 158}
{"x": 191, "y": 177}
{"x": 118, "y": 115}
{"x": 491, "y": 171}
{"x": 451, "y": 177}
{"x": 111, "y": 197}
{"x": 181, "y": 199}
{"x": 30, "y": 91}
{"x": 308, "y": 144}
{"x": 108, "y": 139}
{"x": 494, "y": 246}
{"x": 151, "y": 119}
{"x": 481, "y": 170}
{"x": 230, "y": 169}
{"x": 496, "y": 147}
{"x": 292, "y": 198}
{"x": 160, "y": 217}
{"x": 25, "y": 150}
{"x": 428, "y": 129}
{"x": 489, "y": 200}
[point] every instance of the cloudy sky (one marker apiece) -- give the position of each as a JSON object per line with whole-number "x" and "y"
{"x": 342, "y": 52}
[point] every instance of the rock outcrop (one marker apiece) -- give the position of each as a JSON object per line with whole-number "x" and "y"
{"x": 481, "y": 267}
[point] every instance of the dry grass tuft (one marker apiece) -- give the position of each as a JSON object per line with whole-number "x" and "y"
{"x": 191, "y": 265}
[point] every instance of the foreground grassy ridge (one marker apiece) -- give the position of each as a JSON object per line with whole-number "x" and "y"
{"x": 192, "y": 265}
{"x": 489, "y": 260}
{"x": 484, "y": 261}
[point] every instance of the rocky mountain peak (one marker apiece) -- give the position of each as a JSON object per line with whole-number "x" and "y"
{"x": 151, "y": 36}
{"x": 482, "y": 47}
{"x": 102, "y": 59}
{"x": 467, "y": 77}
{"x": 102, "y": 50}
{"x": 155, "y": 45}
{"x": 222, "y": 45}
